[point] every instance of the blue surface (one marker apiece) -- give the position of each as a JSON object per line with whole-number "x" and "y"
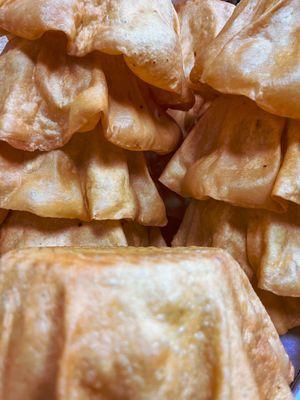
{"x": 296, "y": 389}
{"x": 291, "y": 342}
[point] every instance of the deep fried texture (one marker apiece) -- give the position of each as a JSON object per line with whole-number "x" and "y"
{"x": 287, "y": 184}
{"x": 273, "y": 246}
{"x": 141, "y": 236}
{"x": 264, "y": 243}
{"x": 22, "y": 230}
{"x": 134, "y": 121}
{"x": 87, "y": 179}
{"x": 216, "y": 224}
{"x": 284, "y": 311}
{"x": 236, "y": 153}
{"x": 257, "y": 55}
{"x": 145, "y": 32}
{"x": 83, "y": 328}
{"x": 200, "y": 23}
{"x": 47, "y": 96}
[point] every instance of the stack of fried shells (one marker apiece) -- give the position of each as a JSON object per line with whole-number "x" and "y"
{"x": 78, "y": 106}
{"x": 265, "y": 244}
{"x": 185, "y": 331}
{"x": 23, "y": 230}
{"x": 84, "y": 91}
{"x": 238, "y": 153}
{"x": 257, "y": 55}
{"x": 90, "y": 180}
{"x": 145, "y": 33}
{"x": 46, "y": 96}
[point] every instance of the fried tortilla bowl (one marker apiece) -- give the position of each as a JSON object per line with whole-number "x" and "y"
{"x": 23, "y": 230}
{"x": 145, "y": 32}
{"x": 46, "y": 96}
{"x": 87, "y": 179}
{"x": 257, "y": 55}
{"x": 265, "y": 244}
{"x": 200, "y": 23}
{"x": 83, "y": 328}
{"x": 237, "y": 153}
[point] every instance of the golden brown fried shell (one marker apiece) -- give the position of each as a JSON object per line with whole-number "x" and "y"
{"x": 200, "y": 22}
{"x": 273, "y": 247}
{"x": 87, "y": 179}
{"x": 257, "y": 55}
{"x": 22, "y": 230}
{"x": 141, "y": 236}
{"x": 216, "y": 224}
{"x": 287, "y": 184}
{"x": 187, "y": 119}
{"x": 83, "y": 328}
{"x": 47, "y": 96}
{"x": 3, "y": 214}
{"x": 264, "y": 243}
{"x": 134, "y": 121}
{"x": 284, "y": 311}
{"x": 145, "y": 32}
{"x": 236, "y": 153}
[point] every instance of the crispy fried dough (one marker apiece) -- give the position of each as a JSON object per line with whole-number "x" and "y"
{"x": 145, "y": 32}
{"x": 265, "y": 244}
{"x": 233, "y": 154}
{"x": 82, "y": 327}
{"x": 87, "y": 179}
{"x": 200, "y": 23}
{"x": 134, "y": 121}
{"x": 257, "y": 55}
{"x": 47, "y": 96}
{"x": 287, "y": 185}
{"x": 22, "y": 230}
{"x": 273, "y": 247}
